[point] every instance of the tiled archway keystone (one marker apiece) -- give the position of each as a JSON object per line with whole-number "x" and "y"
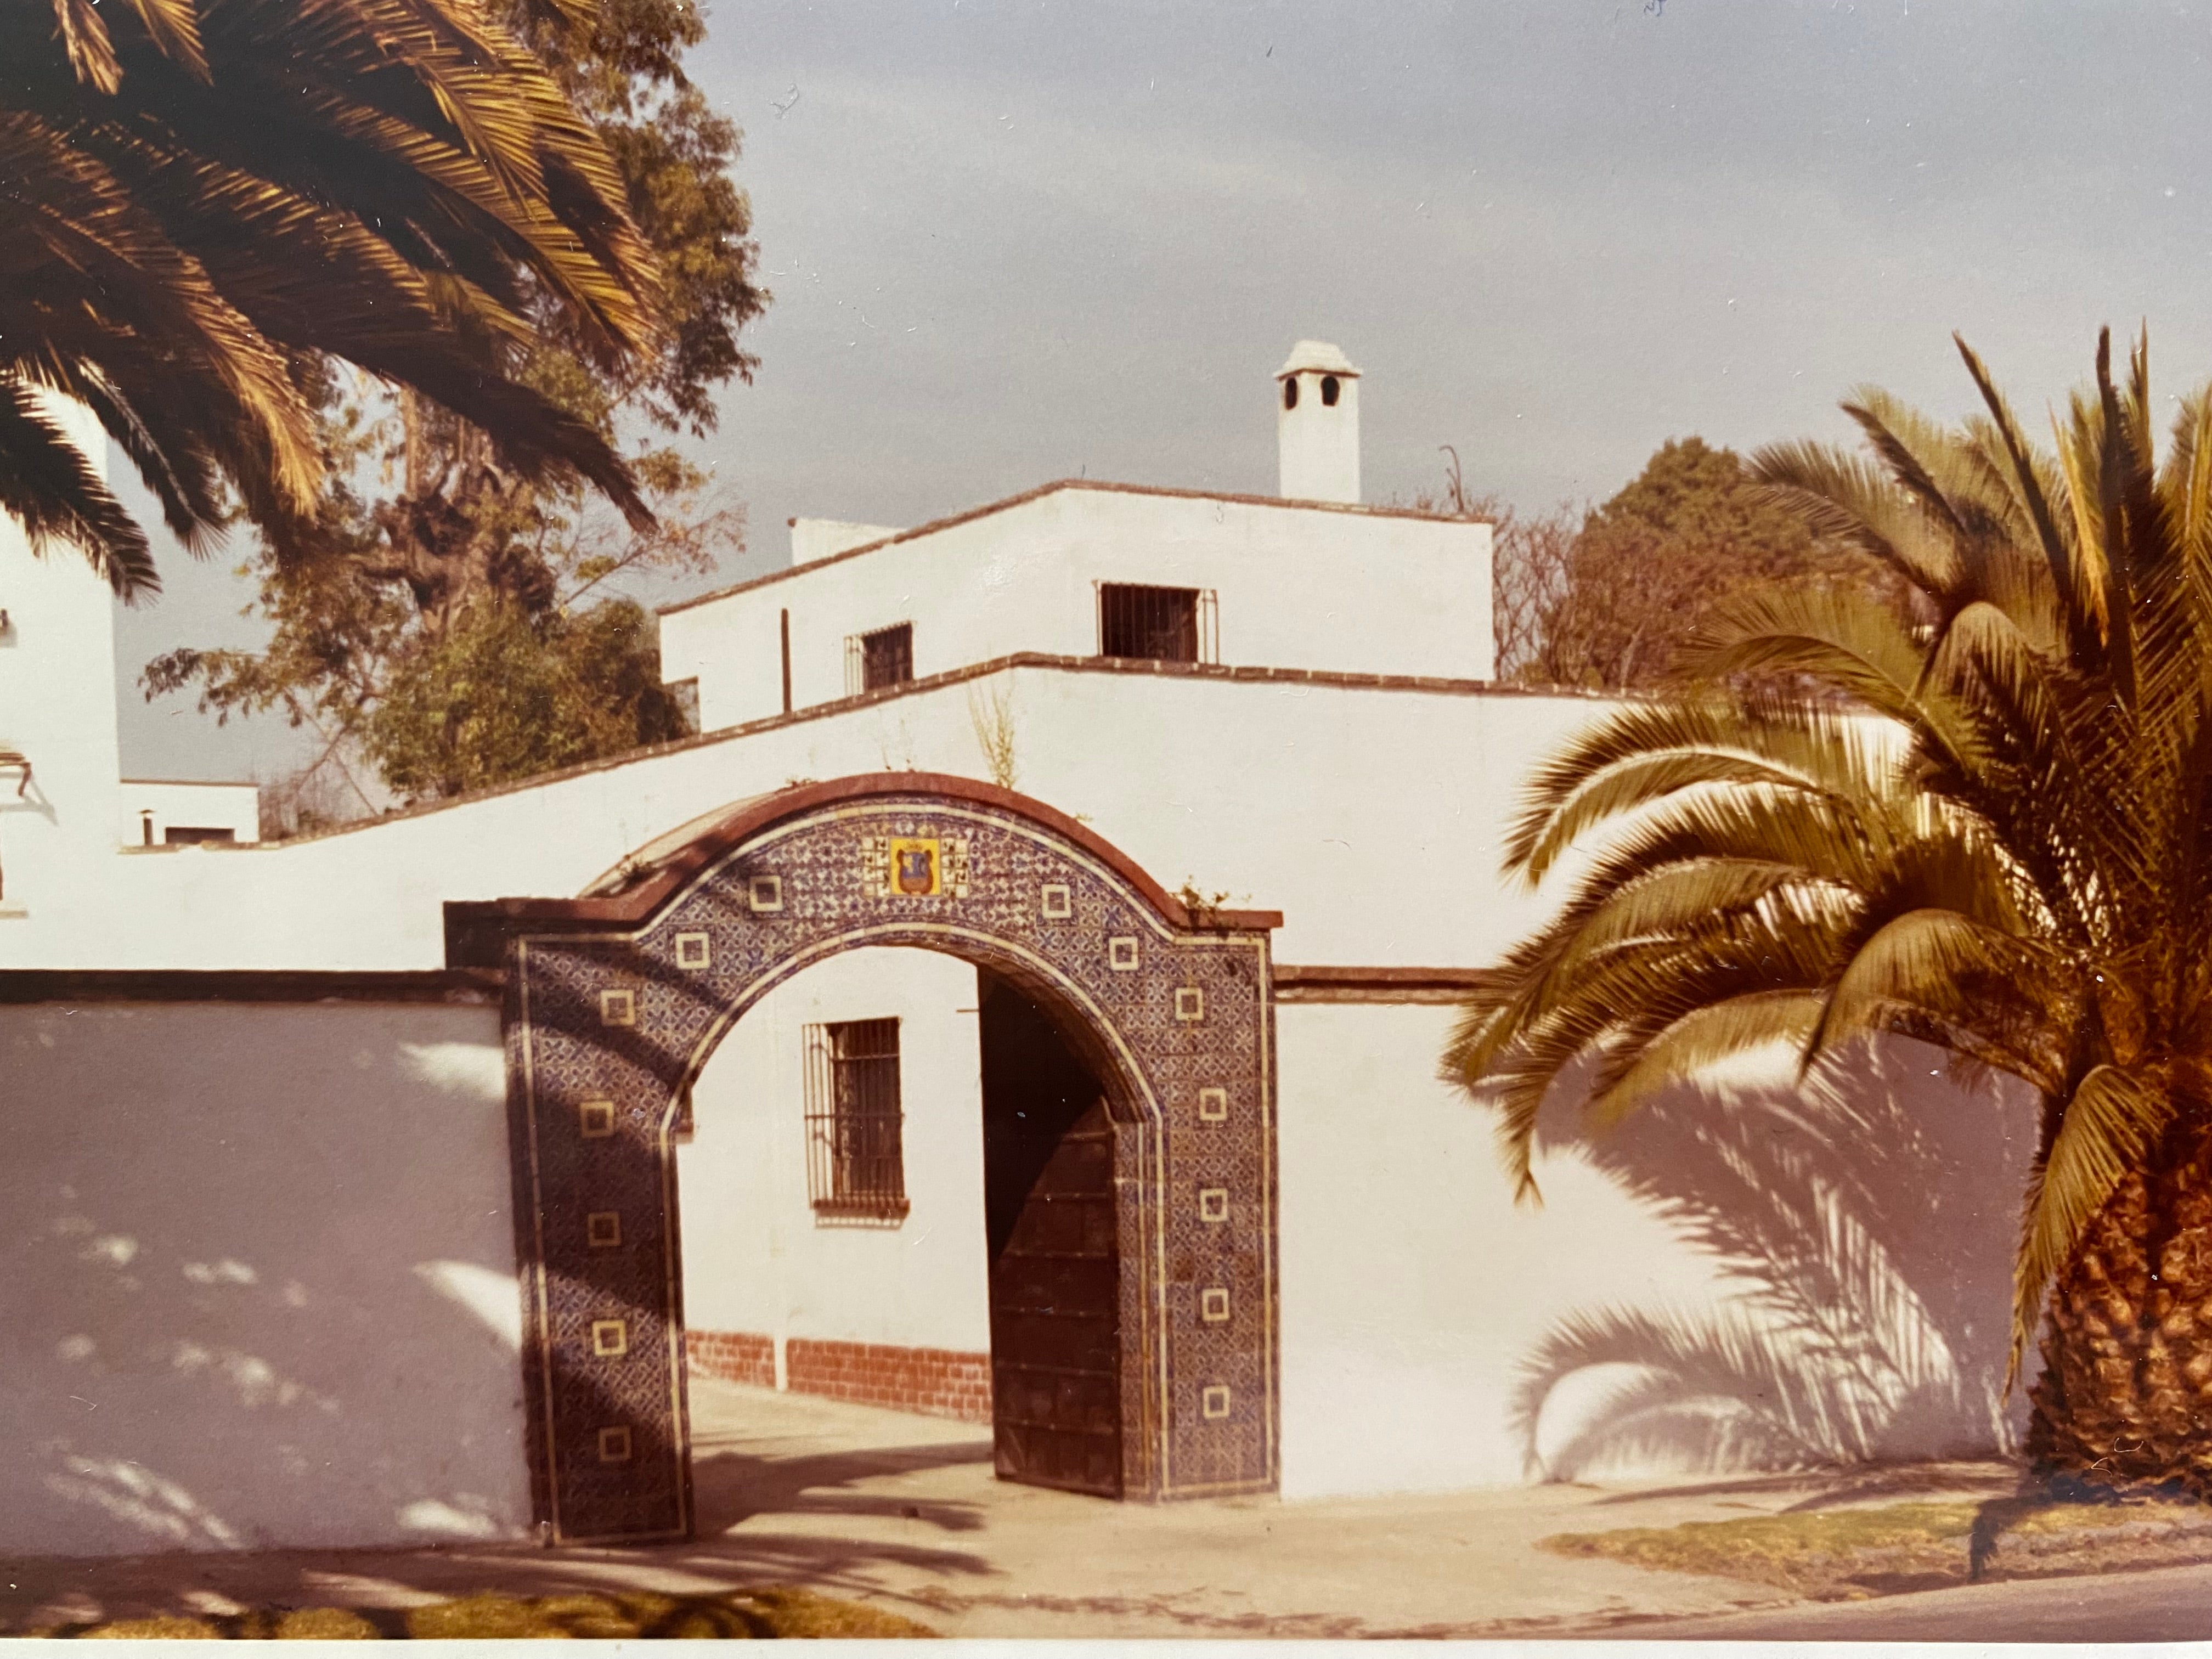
{"x": 616, "y": 999}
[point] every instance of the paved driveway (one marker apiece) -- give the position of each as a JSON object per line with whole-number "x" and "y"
{"x": 903, "y": 1511}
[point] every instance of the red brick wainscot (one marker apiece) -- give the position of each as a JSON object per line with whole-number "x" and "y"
{"x": 932, "y": 1381}
{"x": 734, "y": 1356}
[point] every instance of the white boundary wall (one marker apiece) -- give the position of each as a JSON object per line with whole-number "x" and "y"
{"x": 261, "y": 1278}
{"x": 1373, "y": 818}
{"x": 1412, "y": 1287}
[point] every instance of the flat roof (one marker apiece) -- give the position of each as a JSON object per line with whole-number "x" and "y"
{"x": 1357, "y": 508}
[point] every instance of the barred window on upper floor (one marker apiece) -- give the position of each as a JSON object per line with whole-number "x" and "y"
{"x": 1157, "y": 624}
{"x": 880, "y": 659}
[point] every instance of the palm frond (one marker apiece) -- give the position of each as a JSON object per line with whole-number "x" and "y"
{"x": 55, "y": 491}
{"x": 202, "y": 193}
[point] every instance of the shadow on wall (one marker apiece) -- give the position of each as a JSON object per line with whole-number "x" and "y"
{"x": 261, "y": 1280}
{"x": 1871, "y": 1221}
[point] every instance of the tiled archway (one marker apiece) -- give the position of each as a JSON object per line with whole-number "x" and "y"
{"x": 616, "y": 999}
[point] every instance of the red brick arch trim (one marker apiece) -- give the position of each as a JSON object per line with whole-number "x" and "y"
{"x": 616, "y": 1000}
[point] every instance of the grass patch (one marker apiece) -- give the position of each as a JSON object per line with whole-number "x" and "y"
{"x": 739, "y": 1615}
{"x": 1843, "y": 1553}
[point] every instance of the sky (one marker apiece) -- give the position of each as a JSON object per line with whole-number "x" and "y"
{"x": 1013, "y": 242}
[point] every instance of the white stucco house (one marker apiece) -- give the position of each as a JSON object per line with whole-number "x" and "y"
{"x": 296, "y": 1127}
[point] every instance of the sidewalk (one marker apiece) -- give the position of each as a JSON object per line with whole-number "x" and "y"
{"x": 903, "y": 1512}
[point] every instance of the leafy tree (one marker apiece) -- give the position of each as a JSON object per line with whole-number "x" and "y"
{"x": 1692, "y": 529}
{"x": 1978, "y": 819}
{"x": 505, "y": 696}
{"x": 1530, "y": 556}
{"x": 207, "y": 203}
{"x": 431, "y": 559}
{"x": 1603, "y": 598}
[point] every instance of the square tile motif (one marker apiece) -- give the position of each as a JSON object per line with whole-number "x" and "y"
{"x": 1190, "y": 1004}
{"x": 595, "y": 1119}
{"x": 1213, "y": 1105}
{"x": 609, "y": 1338}
{"x": 1213, "y": 1402}
{"x": 693, "y": 950}
{"x": 1213, "y": 1204}
{"x": 614, "y": 1444}
{"x": 602, "y": 1229}
{"x": 1213, "y": 1305}
{"x": 1121, "y": 955}
{"x": 617, "y": 1007}
{"x": 764, "y": 894}
{"x": 1054, "y": 901}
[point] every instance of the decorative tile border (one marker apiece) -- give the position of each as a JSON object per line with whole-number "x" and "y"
{"x": 608, "y": 1025}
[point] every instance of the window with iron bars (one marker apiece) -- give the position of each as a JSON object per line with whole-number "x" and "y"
{"x": 875, "y": 660}
{"x": 855, "y": 1159}
{"x": 1158, "y": 624}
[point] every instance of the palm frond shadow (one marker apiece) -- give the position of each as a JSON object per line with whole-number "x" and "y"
{"x": 1870, "y": 1232}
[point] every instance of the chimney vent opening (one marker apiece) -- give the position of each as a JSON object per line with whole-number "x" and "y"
{"x": 1317, "y": 424}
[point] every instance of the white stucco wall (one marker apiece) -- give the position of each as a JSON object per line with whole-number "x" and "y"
{"x": 1299, "y": 587}
{"x": 57, "y": 708}
{"x": 1372, "y": 818}
{"x": 1412, "y": 1289}
{"x": 260, "y": 1279}
{"x": 1413, "y": 1285}
{"x": 1415, "y": 1291}
{"x": 755, "y": 1257}
{"x": 165, "y": 802}
{"x": 818, "y": 538}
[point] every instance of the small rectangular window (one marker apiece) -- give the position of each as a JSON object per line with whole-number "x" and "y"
{"x": 186, "y": 835}
{"x": 1155, "y": 624}
{"x": 880, "y": 659}
{"x": 855, "y": 1159}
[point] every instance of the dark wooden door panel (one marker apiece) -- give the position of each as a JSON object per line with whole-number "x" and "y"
{"x": 1052, "y": 1339}
{"x": 1062, "y": 1281}
{"x": 1056, "y": 1288}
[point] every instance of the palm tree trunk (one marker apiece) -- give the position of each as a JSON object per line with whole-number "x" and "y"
{"x": 2125, "y": 1398}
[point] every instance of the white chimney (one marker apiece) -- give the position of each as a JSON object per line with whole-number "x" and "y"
{"x": 1317, "y": 423}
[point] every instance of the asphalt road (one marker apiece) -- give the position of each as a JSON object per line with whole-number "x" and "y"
{"x": 2167, "y": 1604}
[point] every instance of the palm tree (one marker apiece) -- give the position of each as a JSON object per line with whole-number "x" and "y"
{"x": 205, "y": 197}
{"x": 1982, "y": 817}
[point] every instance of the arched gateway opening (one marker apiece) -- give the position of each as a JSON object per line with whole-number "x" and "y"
{"x": 616, "y": 999}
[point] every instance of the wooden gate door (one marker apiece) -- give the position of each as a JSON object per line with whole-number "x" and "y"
{"x": 1056, "y": 1292}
